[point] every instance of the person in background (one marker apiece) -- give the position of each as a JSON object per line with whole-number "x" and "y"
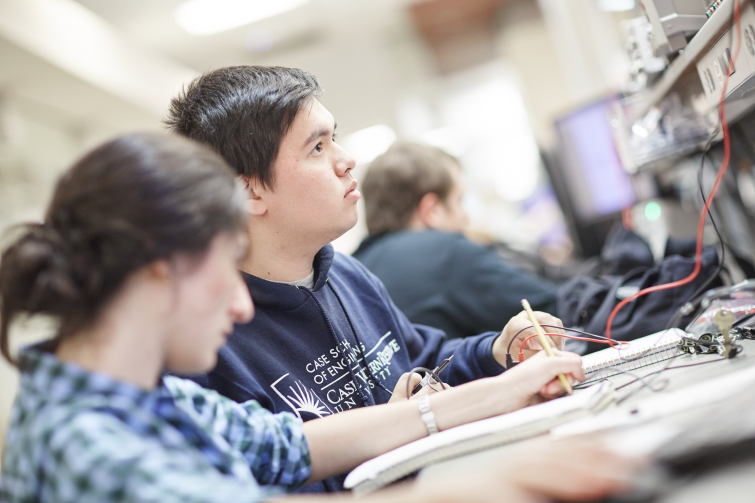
{"x": 436, "y": 276}
{"x": 327, "y": 338}
{"x": 137, "y": 261}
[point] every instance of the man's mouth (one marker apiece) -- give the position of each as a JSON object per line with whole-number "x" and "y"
{"x": 352, "y": 188}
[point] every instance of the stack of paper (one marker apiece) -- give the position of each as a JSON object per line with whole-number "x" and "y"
{"x": 524, "y": 423}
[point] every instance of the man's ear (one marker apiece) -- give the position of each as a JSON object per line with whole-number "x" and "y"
{"x": 428, "y": 210}
{"x": 255, "y": 204}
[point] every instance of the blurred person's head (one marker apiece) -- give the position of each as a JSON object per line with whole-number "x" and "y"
{"x": 152, "y": 221}
{"x": 270, "y": 127}
{"x": 414, "y": 186}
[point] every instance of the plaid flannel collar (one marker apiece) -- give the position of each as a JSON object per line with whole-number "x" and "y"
{"x": 60, "y": 383}
{"x": 144, "y": 411}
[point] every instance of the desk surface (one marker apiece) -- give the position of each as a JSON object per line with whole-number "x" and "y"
{"x": 693, "y": 429}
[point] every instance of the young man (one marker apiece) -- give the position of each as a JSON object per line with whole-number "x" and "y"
{"x": 433, "y": 273}
{"x": 326, "y": 337}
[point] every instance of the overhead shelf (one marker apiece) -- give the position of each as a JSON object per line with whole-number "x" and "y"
{"x": 681, "y": 75}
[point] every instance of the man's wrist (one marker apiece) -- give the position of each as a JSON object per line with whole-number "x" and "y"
{"x": 499, "y": 349}
{"x": 485, "y": 355}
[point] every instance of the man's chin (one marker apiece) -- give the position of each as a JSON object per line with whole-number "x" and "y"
{"x": 354, "y": 221}
{"x": 346, "y": 227}
{"x": 350, "y": 225}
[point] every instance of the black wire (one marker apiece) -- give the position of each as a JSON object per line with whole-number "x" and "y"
{"x": 718, "y": 270}
{"x": 671, "y": 368}
{"x": 645, "y": 384}
{"x": 587, "y": 384}
{"x": 694, "y": 298}
{"x": 427, "y": 371}
{"x": 599, "y": 337}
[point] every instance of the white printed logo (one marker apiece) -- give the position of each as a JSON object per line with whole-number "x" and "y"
{"x": 304, "y": 400}
{"x": 327, "y": 373}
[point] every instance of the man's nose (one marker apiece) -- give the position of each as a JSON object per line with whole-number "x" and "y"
{"x": 345, "y": 162}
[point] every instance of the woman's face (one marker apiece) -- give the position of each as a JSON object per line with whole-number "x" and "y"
{"x": 210, "y": 296}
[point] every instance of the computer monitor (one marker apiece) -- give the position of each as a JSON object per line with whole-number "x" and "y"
{"x": 588, "y": 176}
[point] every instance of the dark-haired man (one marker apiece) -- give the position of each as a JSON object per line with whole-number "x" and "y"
{"x": 326, "y": 336}
{"x": 436, "y": 276}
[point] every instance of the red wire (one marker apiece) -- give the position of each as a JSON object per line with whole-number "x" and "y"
{"x": 626, "y": 218}
{"x": 521, "y": 353}
{"x": 704, "y": 214}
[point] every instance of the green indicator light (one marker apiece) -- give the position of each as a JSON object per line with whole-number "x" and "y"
{"x": 652, "y": 211}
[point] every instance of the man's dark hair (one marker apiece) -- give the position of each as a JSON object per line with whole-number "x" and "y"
{"x": 243, "y": 112}
{"x": 397, "y": 180}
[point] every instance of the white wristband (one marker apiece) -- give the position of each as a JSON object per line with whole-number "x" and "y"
{"x": 427, "y": 415}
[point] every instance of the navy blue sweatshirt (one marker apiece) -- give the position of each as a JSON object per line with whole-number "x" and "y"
{"x": 444, "y": 280}
{"x": 340, "y": 345}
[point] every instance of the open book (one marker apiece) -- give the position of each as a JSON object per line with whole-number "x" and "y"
{"x": 477, "y": 436}
{"x": 639, "y": 353}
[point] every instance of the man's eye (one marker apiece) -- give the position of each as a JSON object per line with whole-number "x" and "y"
{"x": 335, "y": 136}
{"x": 318, "y": 148}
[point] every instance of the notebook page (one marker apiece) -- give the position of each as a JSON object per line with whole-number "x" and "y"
{"x": 583, "y": 400}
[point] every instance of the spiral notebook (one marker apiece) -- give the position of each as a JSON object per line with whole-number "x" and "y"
{"x": 641, "y": 352}
{"x": 477, "y": 436}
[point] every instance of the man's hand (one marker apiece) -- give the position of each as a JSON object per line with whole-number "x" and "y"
{"x": 399, "y": 392}
{"x": 515, "y": 325}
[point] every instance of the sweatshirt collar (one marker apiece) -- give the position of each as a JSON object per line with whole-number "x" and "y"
{"x": 269, "y": 293}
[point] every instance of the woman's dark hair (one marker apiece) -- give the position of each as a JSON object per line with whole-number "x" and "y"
{"x": 133, "y": 200}
{"x": 243, "y": 112}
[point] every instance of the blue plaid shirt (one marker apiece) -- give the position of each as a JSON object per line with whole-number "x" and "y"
{"x": 78, "y": 436}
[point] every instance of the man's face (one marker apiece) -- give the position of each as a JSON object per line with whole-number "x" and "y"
{"x": 452, "y": 217}
{"x": 314, "y": 197}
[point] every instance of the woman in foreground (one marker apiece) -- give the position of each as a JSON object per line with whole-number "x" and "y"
{"x": 137, "y": 260}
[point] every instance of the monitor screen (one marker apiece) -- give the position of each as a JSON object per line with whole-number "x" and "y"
{"x": 595, "y": 180}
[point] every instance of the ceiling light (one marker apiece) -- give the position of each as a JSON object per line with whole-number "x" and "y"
{"x": 206, "y": 17}
{"x": 616, "y": 5}
{"x": 446, "y": 138}
{"x": 368, "y": 143}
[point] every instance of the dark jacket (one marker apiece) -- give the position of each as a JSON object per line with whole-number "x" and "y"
{"x": 626, "y": 265}
{"x": 337, "y": 346}
{"x": 445, "y": 281}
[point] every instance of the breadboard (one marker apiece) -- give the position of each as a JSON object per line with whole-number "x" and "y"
{"x": 640, "y": 353}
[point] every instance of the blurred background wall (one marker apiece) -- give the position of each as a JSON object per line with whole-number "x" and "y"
{"x": 483, "y": 79}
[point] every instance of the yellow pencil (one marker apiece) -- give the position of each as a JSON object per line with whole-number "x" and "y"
{"x": 544, "y": 342}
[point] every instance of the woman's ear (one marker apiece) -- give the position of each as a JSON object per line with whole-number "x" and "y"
{"x": 255, "y": 204}
{"x": 159, "y": 270}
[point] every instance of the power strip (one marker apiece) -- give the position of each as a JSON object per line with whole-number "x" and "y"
{"x": 712, "y": 67}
